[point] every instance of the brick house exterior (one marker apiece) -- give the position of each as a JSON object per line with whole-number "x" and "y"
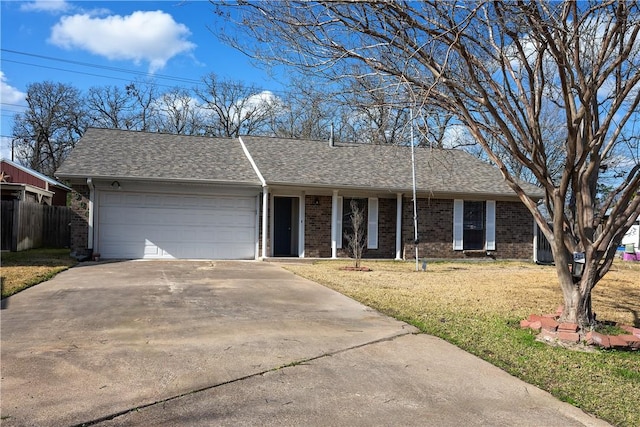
{"x": 311, "y": 181}
{"x": 318, "y": 231}
{"x": 80, "y": 201}
{"x": 514, "y": 230}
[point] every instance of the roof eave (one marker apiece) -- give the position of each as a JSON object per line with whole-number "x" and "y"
{"x": 402, "y": 190}
{"x": 234, "y": 183}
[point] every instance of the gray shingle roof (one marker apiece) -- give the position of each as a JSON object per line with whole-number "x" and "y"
{"x": 128, "y": 154}
{"x": 110, "y": 153}
{"x": 375, "y": 167}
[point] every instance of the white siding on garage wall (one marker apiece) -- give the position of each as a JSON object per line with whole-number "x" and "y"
{"x": 166, "y": 226}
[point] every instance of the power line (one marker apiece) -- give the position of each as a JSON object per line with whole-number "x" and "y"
{"x": 101, "y": 67}
{"x": 199, "y": 83}
{"x": 13, "y": 105}
{"x": 76, "y": 72}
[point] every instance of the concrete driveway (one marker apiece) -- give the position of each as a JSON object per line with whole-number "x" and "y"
{"x": 238, "y": 343}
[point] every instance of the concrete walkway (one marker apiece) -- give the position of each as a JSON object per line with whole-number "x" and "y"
{"x": 238, "y": 343}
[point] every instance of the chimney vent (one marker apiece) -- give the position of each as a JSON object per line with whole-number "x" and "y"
{"x": 331, "y": 136}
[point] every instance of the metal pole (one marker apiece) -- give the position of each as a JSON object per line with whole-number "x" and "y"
{"x": 415, "y": 201}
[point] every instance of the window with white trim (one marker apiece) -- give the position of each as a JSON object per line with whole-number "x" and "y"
{"x": 370, "y": 208}
{"x": 474, "y": 225}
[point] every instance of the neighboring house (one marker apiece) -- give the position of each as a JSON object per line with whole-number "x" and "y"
{"x": 632, "y": 237}
{"x": 151, "y": 195}
{"x": 21, "y": 183}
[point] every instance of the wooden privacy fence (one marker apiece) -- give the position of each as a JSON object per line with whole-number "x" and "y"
{"x": 27, "y": 225}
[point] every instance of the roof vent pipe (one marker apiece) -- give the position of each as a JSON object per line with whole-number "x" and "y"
{"x": 331, "y": 136}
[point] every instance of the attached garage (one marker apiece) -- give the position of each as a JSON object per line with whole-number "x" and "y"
{"x": 166, "y": 226}
{"x": 142, "y": 195}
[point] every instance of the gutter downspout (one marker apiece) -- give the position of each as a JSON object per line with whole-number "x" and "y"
{"x": 265, "y": 198}
{"x": 92, "y": 195}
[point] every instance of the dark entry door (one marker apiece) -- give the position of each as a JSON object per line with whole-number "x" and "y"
{"x": 284, "y": 233}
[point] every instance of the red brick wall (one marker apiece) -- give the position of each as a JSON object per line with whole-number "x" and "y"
{"x": 80, "y": 222}
{"x": 435, "y": 229}
{"x": 514, "y": 230}
{"x": 317, "y": 232}
{"x": 320, "y": 222}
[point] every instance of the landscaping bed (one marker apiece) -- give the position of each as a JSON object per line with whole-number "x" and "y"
{"x": 478, "y": 306}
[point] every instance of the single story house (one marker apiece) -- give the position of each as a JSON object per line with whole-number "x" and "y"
{"x": 19, "y": 182}
{"x": 632, "y": 237}
{"x": 152, "y": 195}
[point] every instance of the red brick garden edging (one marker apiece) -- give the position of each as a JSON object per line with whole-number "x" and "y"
{"x": 550, "y": 329}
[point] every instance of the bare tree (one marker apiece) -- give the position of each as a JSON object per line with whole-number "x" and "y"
{"x": 178, "y": 112}
{"x": 234, "y": 107}
{"x": 377, "y": 112}
{"x": 143, "y": 95}
{"x": 356, "y": 236}
{"x": 110, "y": 107}
{"x": 53, "y": 122}
{"x": 304, "y": 111}
{"x": 496, "y": 67}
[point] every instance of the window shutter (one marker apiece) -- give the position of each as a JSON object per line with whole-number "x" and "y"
{"x": 339, "y": 224}
{"x": 490, "y": 227}
{"x": 372, "y": 226}
{"x": 458, "y": 219}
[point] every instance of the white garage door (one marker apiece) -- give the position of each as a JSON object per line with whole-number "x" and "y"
{"x": 144, "y": 225}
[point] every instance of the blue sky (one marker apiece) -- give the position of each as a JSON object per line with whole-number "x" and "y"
{"x": 52, "y": 39}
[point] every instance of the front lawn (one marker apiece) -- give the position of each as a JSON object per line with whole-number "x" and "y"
{"x": 478, "y": 306}
{"x": 21, "y": 270}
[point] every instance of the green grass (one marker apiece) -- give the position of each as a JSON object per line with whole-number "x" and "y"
{"x": 21, "y": 270}
{"x": 478, "y": 308}
{"x": 608, "y": 329}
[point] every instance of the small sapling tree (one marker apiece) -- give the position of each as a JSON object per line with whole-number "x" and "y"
{"x": 356, "y": 238}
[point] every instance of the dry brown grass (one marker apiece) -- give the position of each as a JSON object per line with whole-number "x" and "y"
{"x": 478, "y": 305}
{"x": 509, "y": 289}
{"x": 21, "y": 270}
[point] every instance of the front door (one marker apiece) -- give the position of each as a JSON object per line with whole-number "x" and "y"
{"x": 285, "y": 226}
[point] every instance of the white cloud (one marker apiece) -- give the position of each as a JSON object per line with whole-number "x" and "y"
{"x": 257, "y": 104}
{"x": 152, "y": 37}
{"x": 263, "y": 99}
{"x": 456, "y": 135}
{"x": 53, "y": 6}
{"x": 9, "y": 94}
{"x": 12, "y": 98}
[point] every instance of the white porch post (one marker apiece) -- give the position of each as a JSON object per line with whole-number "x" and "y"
{"x": 334, "y": 224}
{"x": 399, "y": 226}
{"x": 301, "y": 224}
{"x": 265, "y": 219}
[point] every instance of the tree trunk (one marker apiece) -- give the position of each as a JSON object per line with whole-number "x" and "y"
{"x": 576, "y": 291}
{"x": 577, "y": 295}
{"x": 577, "y": 307}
